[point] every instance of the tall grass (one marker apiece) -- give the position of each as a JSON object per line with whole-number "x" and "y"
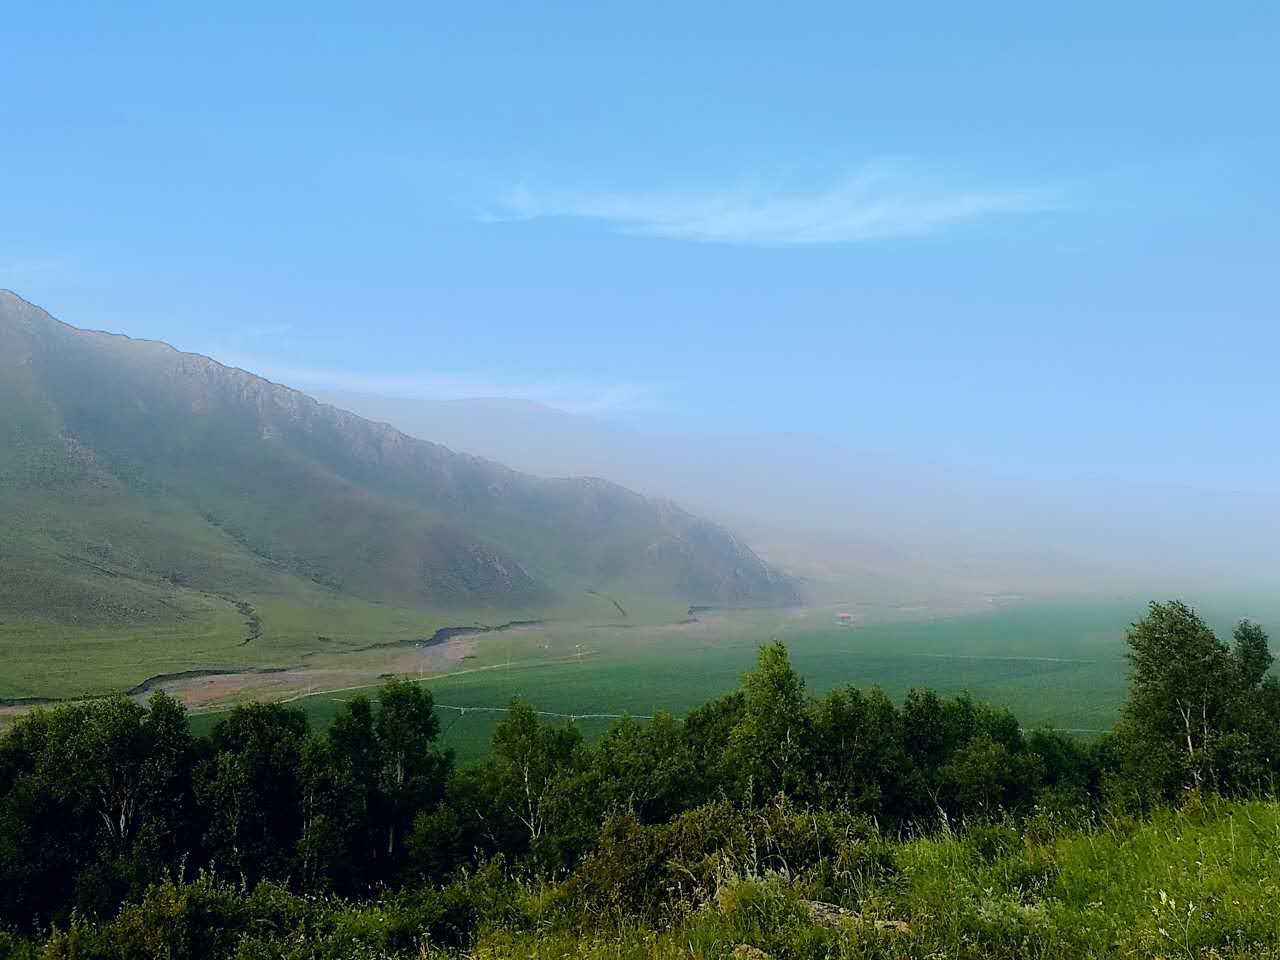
{"x": 783, "y": 883}
{"x": 1203, "y": 881}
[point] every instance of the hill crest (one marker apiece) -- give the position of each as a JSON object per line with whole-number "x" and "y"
{"x": 353, "y": 504}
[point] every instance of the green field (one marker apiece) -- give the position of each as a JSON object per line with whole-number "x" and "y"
{"x": 61, "y": 661}
{"x": 300, "y": 625}
{"x": 1055, "y": 664}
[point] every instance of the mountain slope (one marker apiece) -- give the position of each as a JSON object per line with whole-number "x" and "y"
{"x": 129, "y": 459}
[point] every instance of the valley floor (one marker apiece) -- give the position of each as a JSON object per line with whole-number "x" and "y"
{"x": 1057, "y": 664}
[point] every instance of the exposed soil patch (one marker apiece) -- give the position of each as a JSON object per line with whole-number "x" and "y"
{"x": 210, "y": 689}
{"x": 167, "y": 680}
{"x": 691, "y": 623}
{"x": 433, "y": 659}
{"x": 213, "y": 688}
{"x": 227, "y": 687}
{"x": 700, "y": 608}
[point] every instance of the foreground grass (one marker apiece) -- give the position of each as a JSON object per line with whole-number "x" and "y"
{"x": 1202, "y": 882}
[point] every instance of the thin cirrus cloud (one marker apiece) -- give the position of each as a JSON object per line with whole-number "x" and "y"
{"x": 570, "y": 395}
{"x": 879, "y": 201}
{"x": 264, "y": 351}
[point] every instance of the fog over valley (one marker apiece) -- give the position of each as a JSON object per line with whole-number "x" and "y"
{"x": 871, "y": 523}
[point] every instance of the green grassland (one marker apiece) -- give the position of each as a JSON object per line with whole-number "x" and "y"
{"x": 1059, "y": 664}
{"x": 1053, "y": 664}
{"x": 306, "y": 626}
{"x": 102, "y": 588}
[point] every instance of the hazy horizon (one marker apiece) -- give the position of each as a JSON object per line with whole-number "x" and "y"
{"x": 870, "y": 521}
{"x": 874, "y": 524}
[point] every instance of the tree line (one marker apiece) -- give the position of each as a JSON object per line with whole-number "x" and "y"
{"x": 103, "y": 800}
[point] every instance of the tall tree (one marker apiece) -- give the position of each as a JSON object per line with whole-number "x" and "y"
{"x": 707, "y": 730}
{"x": 412, "y": 771}
{"x": 769, "y": 746}
{"x": 532, "y": 763}
{"x": 645, "y": 769}
{"x": 1183, "y": 685}
{"x": 1248, "y": 757}
{"x": 356, "y": 758}
{"x": 858, "y": 740}
{"x": 251, "y": 789}
{"x": 98, "y": 789}
{"x": 1252, "y": 653}
{"x": 333, "y": 845}
{"x": 134, "y": 765}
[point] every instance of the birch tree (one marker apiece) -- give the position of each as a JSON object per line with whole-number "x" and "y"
{"x": 412, "y": 771}
{"x": 1187, "y": 689}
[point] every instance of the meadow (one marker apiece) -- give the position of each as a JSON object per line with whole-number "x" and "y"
{"x": 61, "y": 661}
{"x": 1058, "y": 664}
{"x": 298, "y": 625}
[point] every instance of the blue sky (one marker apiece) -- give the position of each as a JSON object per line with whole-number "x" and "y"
{"x": 1038, "y": 238}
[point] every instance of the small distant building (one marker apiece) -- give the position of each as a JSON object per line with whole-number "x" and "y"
{"x": 844, "y": 618}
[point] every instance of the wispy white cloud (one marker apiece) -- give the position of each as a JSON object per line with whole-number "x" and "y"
{"x": 880, "y": 200}
{"x": 571, "y": 395}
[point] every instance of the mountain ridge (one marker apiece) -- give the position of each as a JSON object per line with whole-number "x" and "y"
{"x": 411, "y": 521}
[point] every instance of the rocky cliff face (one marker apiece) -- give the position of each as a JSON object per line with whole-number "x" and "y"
{"x": 350, "y": 503}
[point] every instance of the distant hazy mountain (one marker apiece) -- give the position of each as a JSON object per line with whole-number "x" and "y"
{"x": 882, "y": 526}
{"x": 128, "y": 460}
{"x": 871, "y": 524}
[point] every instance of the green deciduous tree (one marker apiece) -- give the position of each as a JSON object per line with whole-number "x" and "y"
{"x": 769, "y": 746}
{"x": 411, "y": 769}
{"x": 532, "y": 766}
{"x": 859, "y": 762}
{"x": 1198, "y": 712}
{"x": 252, "y": 791}
{"x": 644, "y": 769}
{"x": 99, "y": 791}
{"x": 707, "y": 730}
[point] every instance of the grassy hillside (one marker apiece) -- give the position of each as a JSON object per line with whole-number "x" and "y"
{"x": 147, "y": 492}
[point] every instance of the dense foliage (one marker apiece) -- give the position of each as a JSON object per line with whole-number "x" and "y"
{"x": 121, "y": 835}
